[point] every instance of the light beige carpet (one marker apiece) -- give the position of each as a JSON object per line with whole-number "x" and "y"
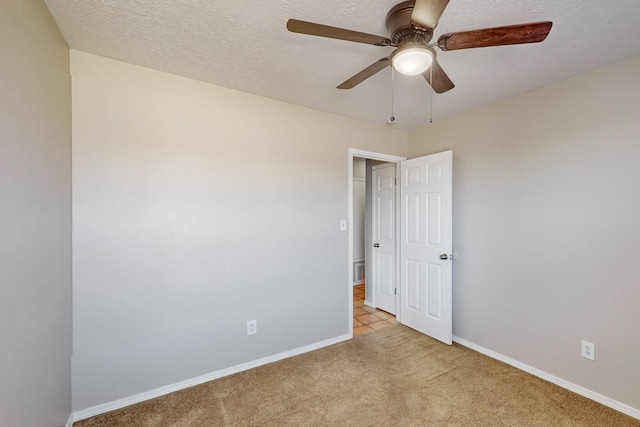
{"x": 391, "y": 377}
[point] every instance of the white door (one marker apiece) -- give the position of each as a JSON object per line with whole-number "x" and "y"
{"x": 426, "y": 245}
{"x": 383, "y": 237}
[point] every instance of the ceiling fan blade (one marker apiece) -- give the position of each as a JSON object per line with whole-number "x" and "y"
{"x": 427, "y": 13}
{"x": 365, "y": 74}
{"x": 313, "y": 29}
{"x": 534, "y": 32}
{"x": 441, "y": 82}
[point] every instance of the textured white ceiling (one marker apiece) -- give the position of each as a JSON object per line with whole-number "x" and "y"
{"x": 244, "y": 45}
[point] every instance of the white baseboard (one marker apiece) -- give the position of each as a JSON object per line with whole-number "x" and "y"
{"x": 589, "y": 394}
{"x": 368, "y": 303}
{"x": 70, "y": 421}
{"x": 152, "y": 394}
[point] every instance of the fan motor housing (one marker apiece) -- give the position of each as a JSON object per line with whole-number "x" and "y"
{"x": 398, "y": 23}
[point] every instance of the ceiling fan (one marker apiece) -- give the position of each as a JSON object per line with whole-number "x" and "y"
{"x": 410, "y": 25}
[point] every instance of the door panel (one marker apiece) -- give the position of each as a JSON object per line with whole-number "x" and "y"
{"x": 412, "y": 287}
{"x": 384, "y": 223}
{"x": 426, "y": 234}
{"x": 385, "y": 271}
{"x": 434, "y": 289}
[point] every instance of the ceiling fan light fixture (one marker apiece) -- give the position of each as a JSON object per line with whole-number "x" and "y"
{"x": 412, "y": 59}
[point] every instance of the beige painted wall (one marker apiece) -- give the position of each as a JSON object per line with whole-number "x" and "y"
{"x": 197, "y": 208}
{"x": 35, "y": 218}
{"x": 546, "y": 210}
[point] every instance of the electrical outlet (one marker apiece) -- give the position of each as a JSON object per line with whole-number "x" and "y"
{"x": 588, "y": 350}
{"x": 252, "y": 327}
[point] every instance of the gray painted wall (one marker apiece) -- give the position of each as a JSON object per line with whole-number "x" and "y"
{"x": 35, "y": 218}
{"x": 197, "y": 208}
{"x": 546, "y": 224}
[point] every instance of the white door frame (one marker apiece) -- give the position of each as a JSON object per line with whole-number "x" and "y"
{"x": 352, "y": 152}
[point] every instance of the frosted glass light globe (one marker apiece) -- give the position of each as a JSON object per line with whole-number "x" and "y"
{"x": 412, "y": 60}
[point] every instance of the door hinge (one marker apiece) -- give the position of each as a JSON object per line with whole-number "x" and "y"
{"x": 395, "y": 291}
{"x": 395, "y": 181}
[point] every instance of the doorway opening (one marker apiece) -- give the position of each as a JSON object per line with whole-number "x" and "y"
{"x": 364, "y": 316}
{"x": 419, "y": 230}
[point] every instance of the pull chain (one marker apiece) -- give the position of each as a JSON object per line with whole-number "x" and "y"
{"x": 431, "y": 94}
{"x": 392, "y": 118}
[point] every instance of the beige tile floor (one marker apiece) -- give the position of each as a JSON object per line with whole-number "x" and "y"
{"x": 365, "y": 318}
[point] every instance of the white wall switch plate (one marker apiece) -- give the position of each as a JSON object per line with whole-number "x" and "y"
{"x": 252, "y": 327}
